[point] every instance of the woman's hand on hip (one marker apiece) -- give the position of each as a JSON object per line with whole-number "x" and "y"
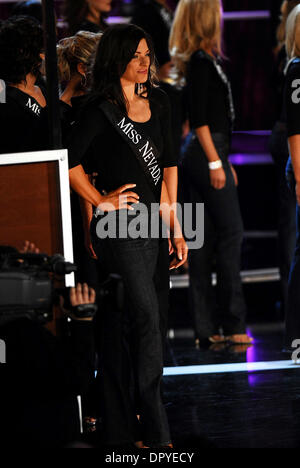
{"x": 218, "y": 178}
{"x": 119, "y": 199}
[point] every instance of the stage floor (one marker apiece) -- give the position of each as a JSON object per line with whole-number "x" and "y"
{"x": 231, "y": 397}
{"x": 223, "y": 401}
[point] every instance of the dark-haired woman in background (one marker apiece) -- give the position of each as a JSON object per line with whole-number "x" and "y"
{"x": 124, "y": 93}
{"x": 23, "y": 118}
{"x": 87, "y": 15}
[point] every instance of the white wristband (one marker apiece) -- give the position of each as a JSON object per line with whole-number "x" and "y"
{"x": 213, "y": 166}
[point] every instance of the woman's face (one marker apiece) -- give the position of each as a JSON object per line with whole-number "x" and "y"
{"x": 137, "y": 70}
{"x": 102, "y": 6}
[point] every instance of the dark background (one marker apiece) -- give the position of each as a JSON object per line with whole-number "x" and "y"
{"x": 248, "y": 46}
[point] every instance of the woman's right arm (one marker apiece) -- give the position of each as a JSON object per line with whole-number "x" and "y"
{"x": 81, "y": 185}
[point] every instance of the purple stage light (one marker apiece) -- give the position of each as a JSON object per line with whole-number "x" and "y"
{"x": 247, "y": 15}
{"x": 251, "y": 159}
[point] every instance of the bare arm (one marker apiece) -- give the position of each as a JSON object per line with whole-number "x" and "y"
{"x": 171, "y": 181}
{"x": 294, "y": 143}
{"x": 116, "y": 200}
{"x": 86, "y": 209}
{"x": 170, "y": 219}
{"x": 80, "y": 184}
{"x": 206, "y": 141}
{"x": 217, "y": 176}
{"x": 87, "y": 216}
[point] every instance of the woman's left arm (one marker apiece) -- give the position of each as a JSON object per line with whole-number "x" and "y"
{"x": 171, "y": 181}
{"x": 169, "y": 217}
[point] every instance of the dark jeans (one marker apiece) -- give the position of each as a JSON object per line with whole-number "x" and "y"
{"x": 287, "y": 208}
{"x": 141, "y": 363}
{"x": 292, "y": 331}
{"x": 223, "y": 239}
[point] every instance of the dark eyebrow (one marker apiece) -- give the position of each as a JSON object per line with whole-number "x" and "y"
{"x": 141, "y": 52}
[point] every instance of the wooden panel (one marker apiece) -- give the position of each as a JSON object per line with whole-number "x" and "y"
{"x": 30, "y": 210}
{"x": 29, "y": 206}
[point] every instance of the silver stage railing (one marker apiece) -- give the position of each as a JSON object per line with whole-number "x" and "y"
{"x": 266, "y": 275}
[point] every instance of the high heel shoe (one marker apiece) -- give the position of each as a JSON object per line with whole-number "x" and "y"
{"x": 242, "y": 339}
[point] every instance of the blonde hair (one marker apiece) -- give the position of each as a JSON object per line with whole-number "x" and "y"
{"x": 286, "y": 8}
{"x": 197, "y": 25}
{"x": 293, "y": 33}
{"x": 74, "y": 50}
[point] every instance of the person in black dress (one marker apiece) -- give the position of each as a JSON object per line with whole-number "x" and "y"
{"x": 292, "y": 109}
{"x": 210, "y": 177}
{"x": 86, "y": 15}
{"x": 23, "y": 116}
{"x": 123, "y": 89}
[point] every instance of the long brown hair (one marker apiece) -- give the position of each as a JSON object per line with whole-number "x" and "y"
{"x": 116, "y": 49}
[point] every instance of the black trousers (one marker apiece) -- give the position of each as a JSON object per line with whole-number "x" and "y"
{"x": 222, "y": 247}
{"x": 292, "y": 331}
{"x": 132, "y": 354}
{"x": 287, "y": 208}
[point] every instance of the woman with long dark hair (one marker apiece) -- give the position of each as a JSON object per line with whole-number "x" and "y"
{"x": 211, "y": 178}
{"x": 86, "y": 15}
{"x": 124, "y": 135}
